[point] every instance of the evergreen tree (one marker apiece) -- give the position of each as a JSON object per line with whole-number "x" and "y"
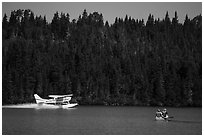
{"x": 129, "y": 62}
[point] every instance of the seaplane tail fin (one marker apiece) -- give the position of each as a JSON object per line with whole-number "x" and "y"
{"x": 38, "y": 99}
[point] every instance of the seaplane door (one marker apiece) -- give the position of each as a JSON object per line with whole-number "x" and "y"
{"x": 59, "y": 100}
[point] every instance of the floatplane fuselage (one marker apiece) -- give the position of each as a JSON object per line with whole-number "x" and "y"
{"x": 61, "y": 101}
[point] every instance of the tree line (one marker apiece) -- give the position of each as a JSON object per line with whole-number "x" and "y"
{"x": 129, "y": 62}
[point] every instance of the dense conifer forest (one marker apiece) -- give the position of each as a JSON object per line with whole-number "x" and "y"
{"x": 129, "y": 62}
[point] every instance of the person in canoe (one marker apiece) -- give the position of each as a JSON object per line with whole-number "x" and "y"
{"x": 158, "y": 115}
{"x": 165, "y": 114}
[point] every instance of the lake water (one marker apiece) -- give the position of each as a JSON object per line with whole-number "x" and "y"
{"x": 99, "y": 120}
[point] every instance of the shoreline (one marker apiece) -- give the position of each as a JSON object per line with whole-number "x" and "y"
{"x": 127, "y": 105}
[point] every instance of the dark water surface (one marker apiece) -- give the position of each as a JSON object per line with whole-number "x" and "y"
{"x": 100, "y": 120}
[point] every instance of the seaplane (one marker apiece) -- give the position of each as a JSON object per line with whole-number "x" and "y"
{"x": 56, "y": 101}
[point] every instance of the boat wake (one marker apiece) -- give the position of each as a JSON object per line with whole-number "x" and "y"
{"x": 184, "y": 121}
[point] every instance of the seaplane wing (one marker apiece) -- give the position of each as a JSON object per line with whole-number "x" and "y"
{"x": 60, "y": 96}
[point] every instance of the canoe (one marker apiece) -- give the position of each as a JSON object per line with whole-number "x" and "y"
{"x": 160, "y": 118}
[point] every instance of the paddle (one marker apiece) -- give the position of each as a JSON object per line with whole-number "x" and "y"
{"x": 167, "y": 119}
{"x": 171, "y": 117}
